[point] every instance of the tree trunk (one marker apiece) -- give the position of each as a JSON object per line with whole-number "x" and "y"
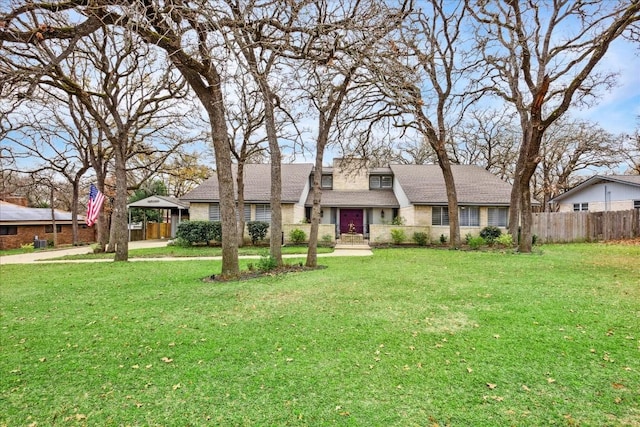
{"x": 213, "y": 103}
{"x": 312, "y": 251}
{"x": 119, "y": 220}
{"x": 452, "y": 200}
{"x": 276, "y": 179}
{"x": 74, "y": 212}
{"x": 240, "y": 190}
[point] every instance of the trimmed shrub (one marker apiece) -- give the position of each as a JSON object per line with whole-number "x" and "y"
{"x": 476, "y": 242}
{"x": 398, "y": 236}
{"x": 257, "y": 230}
{"x": 297, "y": 236}
{"x": 490, "y": 233}
{"x": 420, "y": 238}
{"x": 199, "y": 232}
{"x": 267, "y": 263}
{"x": 327, "y": 240}
{"x": 443, "y": 239}
{"x": 505, "y": 240}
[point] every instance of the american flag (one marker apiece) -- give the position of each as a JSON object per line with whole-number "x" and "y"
{"x": 96, "y": 198}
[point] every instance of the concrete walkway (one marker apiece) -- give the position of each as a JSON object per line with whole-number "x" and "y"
{"x": 46, "y": 256}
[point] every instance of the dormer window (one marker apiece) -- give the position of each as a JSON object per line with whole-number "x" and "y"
{"x": 326, "y": 182}
{"x": 380, "y": 181}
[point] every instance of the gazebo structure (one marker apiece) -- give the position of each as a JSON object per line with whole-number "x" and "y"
{"x": 178, "y": 211}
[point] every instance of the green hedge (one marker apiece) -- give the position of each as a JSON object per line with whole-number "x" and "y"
{"x": 199, "y": 231}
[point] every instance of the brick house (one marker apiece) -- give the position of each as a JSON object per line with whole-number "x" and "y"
{"x": 20, "y": 225}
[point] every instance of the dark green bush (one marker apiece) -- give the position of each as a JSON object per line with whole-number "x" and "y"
{"x": 257, "y": 230}
{"x": 297, "y": 236}
{"x": 199, "y": 232}
{"x": 443, "y": 239}
{"x": 420, "y": 238}
{"x": 490, "y": 233}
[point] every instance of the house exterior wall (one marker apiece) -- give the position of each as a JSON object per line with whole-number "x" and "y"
{"x": 350, "y": 174}
{"x": 324, "y": 230}
{"x": 381, "y": 233}
{"x": 623, "y": 205}
{"x": 619, "y": 197}
{"x": 26, "y": 234}
{"x": 407, "y": 213}
{"x": 199, "y": 211}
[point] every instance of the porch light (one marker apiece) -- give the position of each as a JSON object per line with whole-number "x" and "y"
{"x": 321, "y": 213}
{"x": 382, "y": 213}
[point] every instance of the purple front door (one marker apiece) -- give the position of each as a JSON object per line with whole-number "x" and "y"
{"x": 351, "y": 221}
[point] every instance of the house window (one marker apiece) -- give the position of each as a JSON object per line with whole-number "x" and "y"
{"x": 580, "y": 207}
{"x": 49, "y": 228}
{"x": 469, "y": 216}
{"x": 327, "y": 181}
{"x": 8, "y": 230}
{"x": 439, "y": 215}
{"x": 498, "y": 217}
{"x": 380, "y": 181}
{"x": 263, "y": 213}
{"x": 636, "y": 204}
{"x": 214, "y": 212}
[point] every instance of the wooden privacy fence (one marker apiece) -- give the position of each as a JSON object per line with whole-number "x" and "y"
{"x": 557, "y": 227}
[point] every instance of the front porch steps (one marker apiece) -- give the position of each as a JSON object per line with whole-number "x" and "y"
{"x": 352, "y": 244}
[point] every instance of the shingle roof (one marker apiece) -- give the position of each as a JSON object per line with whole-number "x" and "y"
{"x": 424, "y": 184}
{"x": 257, "y": 182}
{"x": 633, "y": 180}
{"x": 355, "y": 199}
{"x": 16, "y": 213}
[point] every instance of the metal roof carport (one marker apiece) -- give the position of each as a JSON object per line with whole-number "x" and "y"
{"x": 176, "y": 206}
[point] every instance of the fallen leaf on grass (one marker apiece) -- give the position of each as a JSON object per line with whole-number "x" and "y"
{"x": 167, "y": 360}
{"x": 617, "y": 386}
{"x": 469, "y": 370}
{"x": 492, "y": 386}
{"x": 525, "y": 388}
{"x": 551, "y": 380}
{"x": 177, "y": 386}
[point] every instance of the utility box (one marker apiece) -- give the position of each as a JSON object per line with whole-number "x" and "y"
{"x": 39, "y": 244}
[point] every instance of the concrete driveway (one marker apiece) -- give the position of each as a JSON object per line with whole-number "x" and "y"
{"x": 47, "y": 256}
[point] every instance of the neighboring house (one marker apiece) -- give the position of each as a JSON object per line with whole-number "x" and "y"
{"x": 357, "y": 199}
{"x": 601, "y": 193}
{"x": 176, "y": 211}
{"x": 20, "y": 225}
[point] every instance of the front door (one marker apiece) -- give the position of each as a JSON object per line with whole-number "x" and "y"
{"x": 351, "y": 221}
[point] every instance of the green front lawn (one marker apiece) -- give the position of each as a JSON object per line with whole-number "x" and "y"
{"x": 407, "y": 337}
{"x": 195, "y": 251}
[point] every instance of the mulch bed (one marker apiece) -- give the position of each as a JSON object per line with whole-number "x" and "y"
{"x": 256, "y": 274}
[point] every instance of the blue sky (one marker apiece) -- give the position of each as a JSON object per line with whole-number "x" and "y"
{"x": 618, "y": 110}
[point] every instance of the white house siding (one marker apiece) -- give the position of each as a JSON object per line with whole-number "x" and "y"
{"x": 620, "y": 197}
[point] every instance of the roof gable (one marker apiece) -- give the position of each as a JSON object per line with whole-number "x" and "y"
{"x": 631, "y": 180}
{"x": 424, "y": 184}
{"x": 257, "y": 184}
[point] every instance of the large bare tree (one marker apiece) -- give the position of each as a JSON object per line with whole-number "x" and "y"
{"x": 568, "y": 148}
{"x": 420, "y": 69}
{"x": 541, "y": 58}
